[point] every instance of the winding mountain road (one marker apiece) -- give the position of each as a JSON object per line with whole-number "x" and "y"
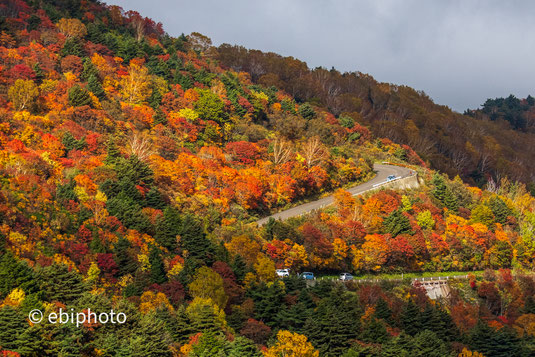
{"x": 382, "y": 170}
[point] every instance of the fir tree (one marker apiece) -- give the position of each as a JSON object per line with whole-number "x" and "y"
{"x": 79, "y": 96}
{"x": 126, "y": 264}
{"x": 72, "y": 46}
{"x": 168, "y": 227}
{"x": 15, "y": 274}
{"x": 426, "y": 343}
{"x": 151, "y": 339}
{"x": 239, "y": 267}
{"x": 382, "y": 311}
{"x": 242, "y": 346}
{"x": 193, "y": 239}
{"x": 12, "y": 326}
{"x": 89, "y": 70}
{"x": 59, "y": 283}
{"x": 411, "y": 320}
{"x": 374, "y": 332}
{"x": 93, "y": 84}
{"x": 157, "y": 268}
{"x": 112, "y": 151}
{"x": 397, "y": 223}
{"x": 335, "y": 323}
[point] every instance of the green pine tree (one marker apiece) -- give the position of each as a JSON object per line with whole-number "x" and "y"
{"x": 93, "y": 84}
{"x": 59, "y": 283}
{"x": 411, "y": 319}
{"x": 397, "y": 223}
{"x": 157, "y": 268}
{"x": 79, "y": 96}
{"x": 12, "y": 326}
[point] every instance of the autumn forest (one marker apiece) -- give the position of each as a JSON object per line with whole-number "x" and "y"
{"x": 134, "y": 167}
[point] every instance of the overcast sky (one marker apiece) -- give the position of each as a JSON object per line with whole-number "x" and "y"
{"x": 459, "y": 52}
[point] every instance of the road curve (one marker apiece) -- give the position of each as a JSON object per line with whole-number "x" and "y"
{"x": 382, "y": 170}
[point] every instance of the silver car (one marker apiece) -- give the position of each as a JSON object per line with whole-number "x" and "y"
{"x": 283, "y": 272}
{"x": 345, "y": 277}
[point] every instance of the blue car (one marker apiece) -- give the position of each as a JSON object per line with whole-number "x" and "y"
{"x": 307, "y": 275}
{"x": 391, "y": 177}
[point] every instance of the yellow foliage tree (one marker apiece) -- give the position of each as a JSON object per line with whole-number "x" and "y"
{"x": 23, "y": 93}
{"x": 15, "y": 298}
{"x": 72, "y": 28}
{"x": 135, "y": 87}
{"x": 265, "y": 269}
{"x": 150, "y": 301}
{"x": 207, "y": 284}
{"x": 291, "y": 345}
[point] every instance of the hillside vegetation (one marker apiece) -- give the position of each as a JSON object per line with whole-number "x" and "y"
{"x": 133, "y": 167}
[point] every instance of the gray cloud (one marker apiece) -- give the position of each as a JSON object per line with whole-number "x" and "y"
{"x": 459, "y": 52}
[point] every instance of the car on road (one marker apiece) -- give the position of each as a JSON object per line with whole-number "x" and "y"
{"x": 391, "y": 177}
{"x": 283, "y": 273}
{"x": 345, "y": 277}
{"x": 307, "y": 275}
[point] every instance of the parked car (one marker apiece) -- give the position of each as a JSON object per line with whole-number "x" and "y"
{"x": 307, "y": 275}
{"x": 283, "y": 272}
{"x": 345, "y": 277}
{"x": 391, "y": 177}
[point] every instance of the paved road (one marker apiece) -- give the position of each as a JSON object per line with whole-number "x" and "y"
{"x": 383, "y": 171}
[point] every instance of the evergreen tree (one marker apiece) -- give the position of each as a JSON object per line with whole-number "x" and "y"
{"x": 93, "y": 84}
{"x": 193, "y": 239}
{"x": 242, "y": 346}
{"x": 178, "y": 325}
{"x": 126, "y": 264}
{"x": 159, "y": 117}
{"x": 39, "y": 74}
{"x": 397, "y": 223}
{"x": 168, "y": 228}
{"x": 113, "y": 153}
{"x": 12, "y": 326}
{"x": 529, "y": 305}
{"x": 335, "y": 323}
{"x": 439, "y": 192}
{"x": 79, "y": 96}
{"x": 268, "y": 301}
{"x": 410, "y": 319}
{"x": 239, "y": 267}
{"x": 400, "y": 346}
{"x": 59, "y": 283}
{"x": 15, "y": 274}
{"x": 450, "y": 200}
{"x": 157, "y": 268}
{"x": 155, "y": 98}
{"x": 499, "y": 209}
{"x": 427, "y": 344}
{"x": 382, "y": 311}
{"x": 89, "y": 70}
{"x": 374, "y": 332}
{"x": 72, "y": 46}
{"x": 151, "y": 339}
{"x": 155, "y": 199}
{"x": 306, "y": 111}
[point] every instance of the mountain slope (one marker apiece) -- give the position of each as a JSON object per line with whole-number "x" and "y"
{"x": 475, "y": 148}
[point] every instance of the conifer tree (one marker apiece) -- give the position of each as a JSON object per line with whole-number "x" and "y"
{"x": 58, "y": 283}
{"x": 157, "y": 268}
{"x": 79, "y": 96}
{"x": 93, "y": 84}
{"x": 397, "y": 223}
{"x": 12, "y": 325}
{"x": 168, "y": 228}
{"x": 410, "y": 319}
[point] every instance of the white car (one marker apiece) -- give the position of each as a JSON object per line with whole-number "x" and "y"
{"x": 346, "y": 277}
{"x": 283, "y": 272}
